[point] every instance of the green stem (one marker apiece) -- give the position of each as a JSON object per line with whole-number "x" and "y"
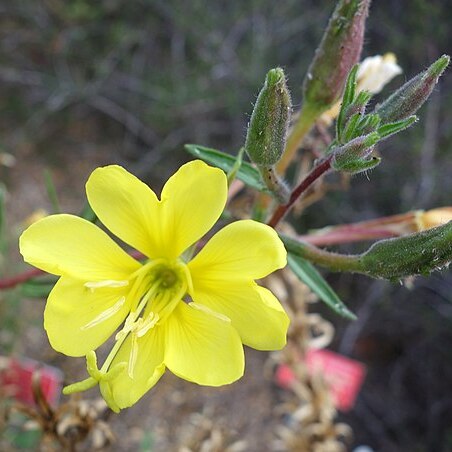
{"x": 304, "y": 124}
{"x": 332, "y": 261}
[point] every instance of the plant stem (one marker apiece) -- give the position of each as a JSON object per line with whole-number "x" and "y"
{"x": 346, "y": 236}
{"x": 317, "y": 171}
{"x": 13, "y": 281}
{"x": 332, "y": 261}
{"x": 298, "y": 132}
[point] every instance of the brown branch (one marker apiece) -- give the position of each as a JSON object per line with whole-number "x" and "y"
{"x": 317, "y": 171}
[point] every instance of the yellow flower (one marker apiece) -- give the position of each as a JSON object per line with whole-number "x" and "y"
{"x": 188, "y": 315}
{"x": 432, "y": 218}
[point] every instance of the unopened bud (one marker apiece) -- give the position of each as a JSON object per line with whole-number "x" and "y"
{"x": 353, "y": 157}
{"x": 339, "y": 50}
{"x": 267, "y": 130}
{"x": 415, "y": 254}
{"x": 410, "y": 97}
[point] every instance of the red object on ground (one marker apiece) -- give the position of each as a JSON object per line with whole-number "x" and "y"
{"x": 16, "y": 380}
{"x": 345, "y": 376}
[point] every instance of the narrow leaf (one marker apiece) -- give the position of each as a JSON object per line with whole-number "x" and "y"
{"x": 308, "y": 274}
{"x": 37, "y": 288}
{"x": 2, "y": 217}
{"x": 246, "y": 173}
{"x": 395, "y": 127}
{"x": 88, "y": 213}
{"x": 347, "y": 99}
{"x": 51, "y": 191}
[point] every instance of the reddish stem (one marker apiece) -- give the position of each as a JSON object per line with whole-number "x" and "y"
{"x": 316, "y": 172}
{"x": 13, "y": 281}
{"x": 337, "y": 237}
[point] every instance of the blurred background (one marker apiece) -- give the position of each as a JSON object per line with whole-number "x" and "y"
{"x": 86, "y": 83}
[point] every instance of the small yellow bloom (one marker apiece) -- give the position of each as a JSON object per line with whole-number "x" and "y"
{"x": 188, "y": 315}
{"x": 373, "y": 74}
{"x": 432, "y": 218}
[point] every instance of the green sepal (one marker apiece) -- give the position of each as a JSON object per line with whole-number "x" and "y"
{"x": 359, "y": 166}
{"x": 353, "y": 157}
{"x": 246, "y": 173}
{"x": 309, "y": 275}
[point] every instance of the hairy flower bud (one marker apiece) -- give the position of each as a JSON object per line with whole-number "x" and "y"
{"x": 413, "y": 254}
{"x": 353, "y": 157}
{"x": 267, "y": 130}
{"x": 339, "y": 50}
{"x": 410, "y": 97}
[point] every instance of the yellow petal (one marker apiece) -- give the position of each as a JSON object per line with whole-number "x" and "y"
{"x": 70, "y": 309}
{"x": 126, "y": 206}
{"x": 202, "y": 348}
{"x": 147, "y": 370}
{"x": 71, "y": 246}
{"x": 243, "y": 250}
{"x": 254, "y": 311}
{"x": 192, "y": 201}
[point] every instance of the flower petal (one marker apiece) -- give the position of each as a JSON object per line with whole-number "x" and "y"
{"x": 254, "y": 311}
{"x": 71, "y": 246}
{"x": 192, "y": 201}
{"x": 126, "y": 206}
{"x": 244, "y": 250}
{"x": 71, "y": 307}
{"x": 147, "y": 370}
{"x": 202, "y": 348}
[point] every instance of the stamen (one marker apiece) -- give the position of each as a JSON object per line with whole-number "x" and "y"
{"x": 133, "y": 354}
{"x": 146, "y": 325}
{"x": 105, "y": 314}
{"x": 203, "y": 308}
{"x": 127, "y": 328}
{"x": 93, "y": 285}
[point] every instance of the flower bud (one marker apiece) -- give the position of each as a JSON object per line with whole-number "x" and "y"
{"x": 267, "y": 130}
{"x": 432, "y": 218}
{"x": 353, "y": 157}
{"x": 339, "y": 50}
{"x": 413, "y": 254}
{"x": 410, "y": 97}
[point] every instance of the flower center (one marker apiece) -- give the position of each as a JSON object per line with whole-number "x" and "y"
{"x": 157, "y": 287}
{"x": 155, "y": 290}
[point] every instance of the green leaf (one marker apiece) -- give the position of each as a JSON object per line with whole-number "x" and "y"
{"x": 308, "y": 274}
{"x": 88, "y": 213}
{"x": 2, "y": 217}
{"x": 51, "y": 191}
{"x": 246, "y": 173}
{"x": 38, "y": 288}
{"x": 347, "y": 99}
{"x": 395, "y": 127}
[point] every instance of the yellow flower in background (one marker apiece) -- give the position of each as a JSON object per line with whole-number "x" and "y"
{"x": 432, "y": 218}
{"x": 188, "y": 315}
{"x": 373, "y": 74}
